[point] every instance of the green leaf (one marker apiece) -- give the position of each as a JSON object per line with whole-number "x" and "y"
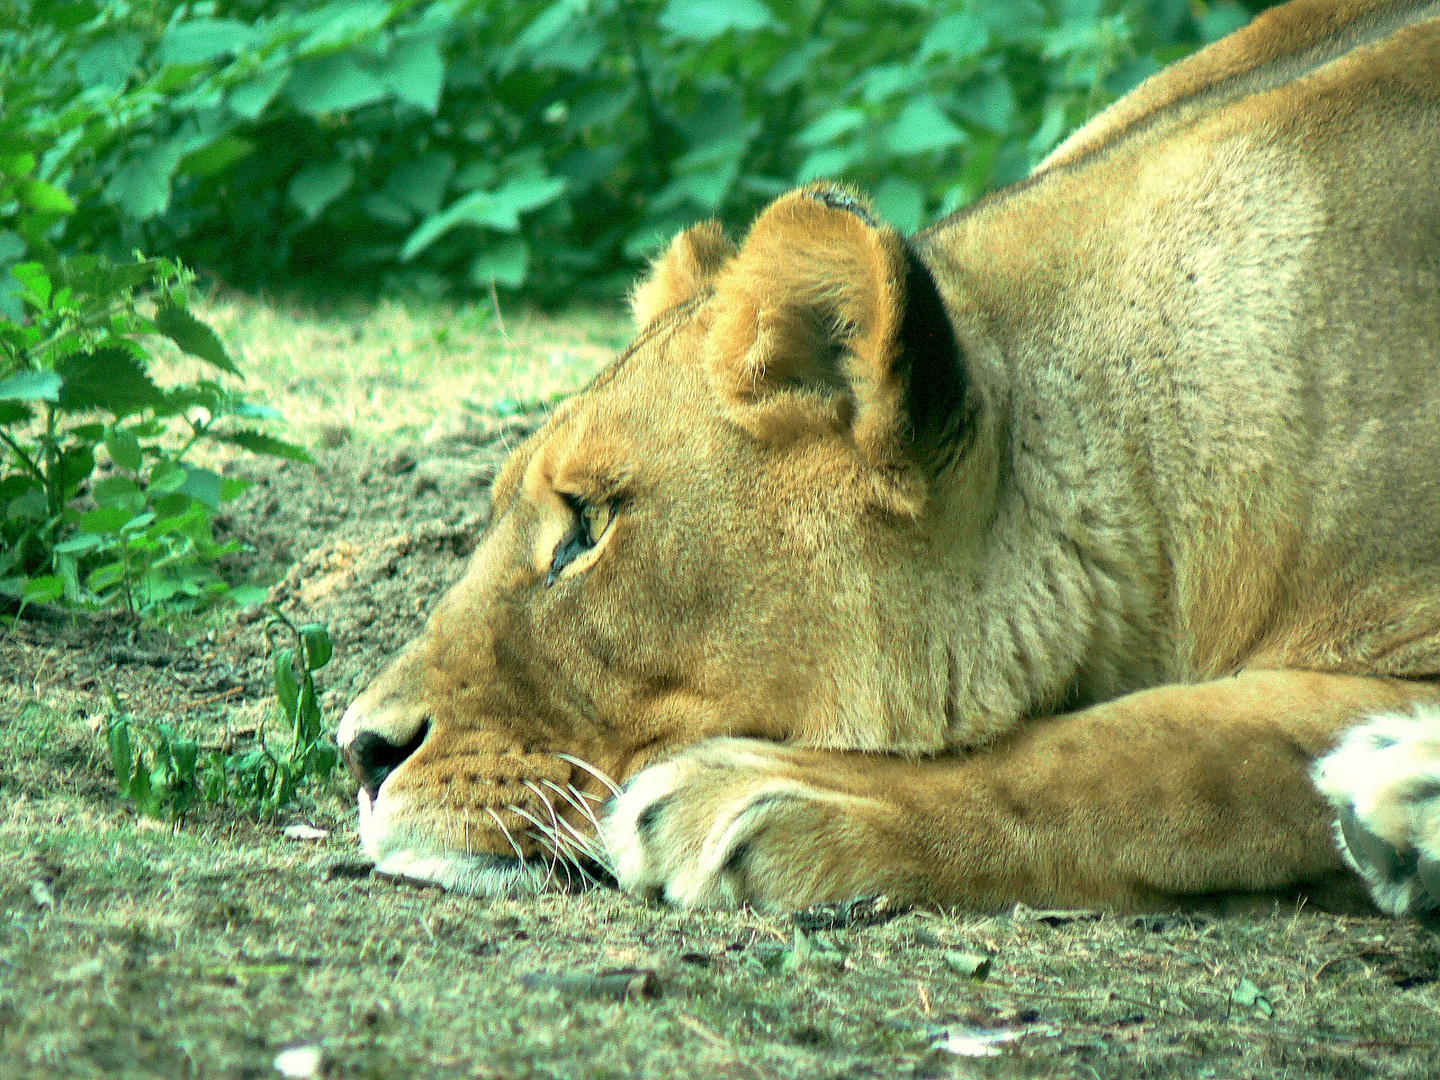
{"x": 201, "y": 40}
{"x": 216, "y": 157}
{"x": 415, "y": 72}
{"x": 105, "y": 521}
{"x": 110, "y": 61}
{"x": 989, "y": 103}
{"x": 43, "y": 198}
{"x": 830, "y": 126}
{"x": 140, "y": 791}
{"x": 316, "y": 186}
{"x": 203, "y": 486}
{"x": 922, "y": 127}
{"x": 165, "y": 477}
{"x": 549, "y": 24}
{"x": 499, "y": 210}
{"x": 35, "y": 280}
{"x": 13, "y": 412}
{"x": 901, "y": 202}
{"x": 257, "y": 442}
{"x": 335, "y": 83}
{"x": 110, "y": 379}
{"x": 76, "y": 465}
{"x": 702, "y": 20}
{"x": 30, "y": 386}
{"x": 245, "y": 595}
{"x": 249, "y": 99}
{"x": 16, "y": 163}
{"x": 1221, "y": 18}
{"x": 504, "y": 262}
{"x": 959, "y": 37}
{"x": 43, "y": 590}
{"x": 124, "y": 448}
{"x": 286, "y": 687}
{"x": 121, "y": 759}
{"x": 341, "y": 21}
{"x": 78, "y": 545}
{"x": 141, "y": 187}
{"x": 192, "y": 335}
{"x": 317, "y": 645}
{"x": 420, "y": 183}
{"x": 117, "y": 491}
{"x": 12, "y": 246}
{"x": 232, "y": 487}
{"x": 831, "y": 162}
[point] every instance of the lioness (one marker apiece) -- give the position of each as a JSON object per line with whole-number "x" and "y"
{"x": 1083, "y": 549}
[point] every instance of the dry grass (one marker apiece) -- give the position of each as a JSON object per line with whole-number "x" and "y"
{"x": 131, "y": 949}
{"x": 409, "y": 370}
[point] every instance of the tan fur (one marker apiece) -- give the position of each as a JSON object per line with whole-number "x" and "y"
{"x": 1199, "y": 502}
{"x": 692, "y": 258}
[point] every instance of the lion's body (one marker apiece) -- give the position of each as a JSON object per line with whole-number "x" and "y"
{"x": 1154, "y": 435}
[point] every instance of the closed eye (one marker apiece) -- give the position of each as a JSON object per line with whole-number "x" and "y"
{"x": 591, "y": 521}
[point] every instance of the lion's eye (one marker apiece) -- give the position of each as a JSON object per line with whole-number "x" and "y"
{"x": 591, "y": 521}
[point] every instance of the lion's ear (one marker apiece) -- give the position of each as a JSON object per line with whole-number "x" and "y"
{"x": 826, "y": 317}
{"x": 693, "y": 258}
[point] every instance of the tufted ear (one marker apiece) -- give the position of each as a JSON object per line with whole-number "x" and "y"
{"x": 691, "y": 260}
{"x": 827, "y": 318}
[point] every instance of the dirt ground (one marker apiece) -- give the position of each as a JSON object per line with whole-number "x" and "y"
{"x": 216, "y": 948}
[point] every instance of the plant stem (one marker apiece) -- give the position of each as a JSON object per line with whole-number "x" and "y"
{"x": 658, "y": 161}
{"x": 25, "y": 460}
{"x": 54, "y": 485}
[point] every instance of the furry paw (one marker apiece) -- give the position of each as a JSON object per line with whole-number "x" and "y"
{"x": 734, "y": 821}
{"x": 1384, "y": 782}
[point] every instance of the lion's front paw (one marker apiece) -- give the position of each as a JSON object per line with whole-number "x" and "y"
{"x": 1384, "y": 782}
{"x": 735, "y": 821}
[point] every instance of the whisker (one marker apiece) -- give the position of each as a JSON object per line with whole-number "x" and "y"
{"x": 518, "y": 853}
{"x": 559, "y": 844}
{"x": 549, "y": 836}
{"x": 583, "y": 842}
{"x": 571, "y": 798}
{"x": 596, "y": 854}
{"x": 578, "y": 801}
{"x": 591, "y": 769}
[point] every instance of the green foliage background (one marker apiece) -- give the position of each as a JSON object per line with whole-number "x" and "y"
{"x": 543, "y": 145}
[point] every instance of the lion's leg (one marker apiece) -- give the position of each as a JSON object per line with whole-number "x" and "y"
{"x": 1166, "y": 793}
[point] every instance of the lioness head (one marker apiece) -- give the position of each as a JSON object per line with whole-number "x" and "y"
{"x": 727, "y": 533}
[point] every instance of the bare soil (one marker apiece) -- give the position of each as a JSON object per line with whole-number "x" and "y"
{"x": 135, "y": 948}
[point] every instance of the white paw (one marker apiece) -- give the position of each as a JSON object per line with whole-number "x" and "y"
{"x": 730, "y": 822}
{"x": 1384, "y": 782}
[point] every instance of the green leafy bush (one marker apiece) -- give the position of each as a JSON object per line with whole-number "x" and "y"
{"x": 135, "y": 527}
{"x": 165, "y": 774}
{"x": 545, "y": 144}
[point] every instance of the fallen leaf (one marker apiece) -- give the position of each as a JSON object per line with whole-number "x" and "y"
{"x": 85, "y": 969}
{"x": 815, "y": 953}
{"x": 1248, "y": 996}
{"x": 625, "y": 984}
{"x": 299, "y": 1062}
{"x": 304, "y": 832}
{"x": 965, "y": 1041}
{"x": 976, "y": 965}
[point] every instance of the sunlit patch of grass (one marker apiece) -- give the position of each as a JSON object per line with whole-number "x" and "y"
{"x": 407, "y": 368}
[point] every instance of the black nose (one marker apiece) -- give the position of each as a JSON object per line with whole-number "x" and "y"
{"x": 371, "y": 758}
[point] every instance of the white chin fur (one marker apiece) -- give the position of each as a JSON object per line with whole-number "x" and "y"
{"x": 474, "y": 875}
{"x": 1384, "y": 782}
